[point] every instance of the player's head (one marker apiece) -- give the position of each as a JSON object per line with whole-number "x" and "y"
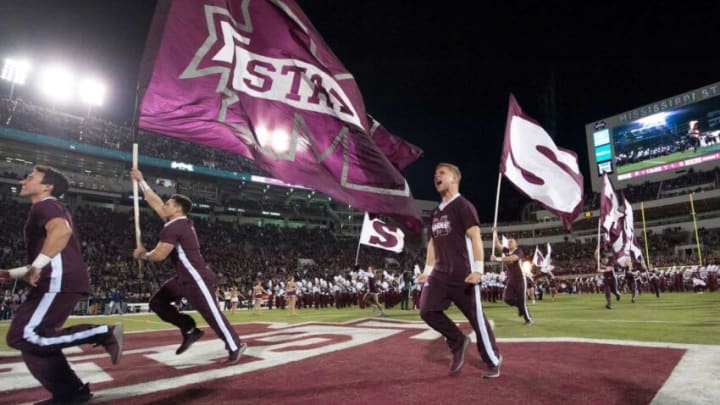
{"x": 512, "y": 244}
{"x": 176, "y": 206}
{"x": 182, "y": 201}
{"x": 44, "y": 181}
{"x": 447, "y": 178}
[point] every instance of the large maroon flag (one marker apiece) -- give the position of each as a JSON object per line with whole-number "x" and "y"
{"x": 255, "y": 78}
{"x": 399, "y": 151}
{"x": 547, "y": 174}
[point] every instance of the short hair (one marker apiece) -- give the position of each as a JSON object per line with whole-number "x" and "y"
{"x": 452, "y": 167}
{"x": 183, "y": 201}
{"x": 53, "y": 177}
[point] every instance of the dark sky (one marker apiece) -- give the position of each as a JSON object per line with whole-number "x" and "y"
{"x": 437, "y": 73}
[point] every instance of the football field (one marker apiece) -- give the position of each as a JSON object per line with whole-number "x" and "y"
{"x": 660, "y": 351}
{"x": 661, "y": 160}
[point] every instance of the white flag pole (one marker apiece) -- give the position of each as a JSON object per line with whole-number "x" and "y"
{"x": 598, "y": 242}
{"x": 357, "y": 252}
{"x": 136, "y": 203}
{"x": 497, "y": 202}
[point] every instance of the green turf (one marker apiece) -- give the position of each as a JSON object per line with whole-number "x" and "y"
{"x": 679, "y": 318}
{"x": 667, "y": 159}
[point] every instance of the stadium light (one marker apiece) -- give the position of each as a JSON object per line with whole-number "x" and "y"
{"x": 92, "y": 93}
{"x": 278, "y": 140}
{"x": 15, "y": 71}
{"x": 57, "y": 83}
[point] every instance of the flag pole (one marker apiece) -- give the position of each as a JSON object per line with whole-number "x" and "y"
{"x": 497, "y": 202}
{"x": 357, "y": 252}
{"x": 135, "y": 153}
{"x": 598, "y": 243}
{"x": 647, "y": 251}
{"x": 136, "y": 203}
{"x": 697, "y": 238}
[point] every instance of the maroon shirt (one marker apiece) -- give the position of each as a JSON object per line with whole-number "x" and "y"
{"x": 513, "y": 269}
{"x": 186, "y": 256}
{"x": 372, "y": 285}
{"x": 67, "y": 272}
{"x": 452, "y": 247}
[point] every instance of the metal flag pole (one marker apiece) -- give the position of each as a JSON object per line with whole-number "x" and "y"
{"x": 136, "y": 204}
{"x": 647, "y": 251}
{"x": 697, "y": 238}
{"x": 357, "y": 252}
{"x": 598, "y": 243}
{"x": 497, "y": 203}
{"x": 136, "y": 198}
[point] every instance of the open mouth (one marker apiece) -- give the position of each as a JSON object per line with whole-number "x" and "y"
{"x": 438, "y": 182}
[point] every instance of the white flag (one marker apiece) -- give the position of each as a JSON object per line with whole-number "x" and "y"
{"x": 378, "y": 234}
{"x": 547, "y": 266}
{"x": 538, "y": 258}
{"x": 547, "y": 174}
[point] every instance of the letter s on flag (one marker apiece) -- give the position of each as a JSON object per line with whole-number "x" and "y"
{"x": 378, "y": 234}
{"x": 544, "y": 172}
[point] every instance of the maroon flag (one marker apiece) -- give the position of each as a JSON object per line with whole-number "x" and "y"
{"x": 547, "y": 174}
{"x": 400, "y": 152}
{"x": 255, "y": 78}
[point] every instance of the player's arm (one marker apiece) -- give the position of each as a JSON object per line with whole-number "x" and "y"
{"x": 153, "y": 200}
{"x": 429, "y": 263}
{"x": 58, "y": 232}
{"x": 161, "y": 251}
{"x": 478, "y": 266}
{"x": 509, "y": 259}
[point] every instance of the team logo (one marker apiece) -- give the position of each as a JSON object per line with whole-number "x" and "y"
{"x": 441, "y": 226}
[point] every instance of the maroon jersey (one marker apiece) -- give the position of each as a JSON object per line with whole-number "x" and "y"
{"x": 67, "y": 272}
{"x": 513, "y": 269}
{"x": 186, "y": 256}
{"x": 453, "y": 250}
{"x": 372, "y": 285}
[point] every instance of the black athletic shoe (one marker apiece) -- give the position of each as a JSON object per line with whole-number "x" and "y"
{"x": 494, "y": 372}
{"x": 81, "y": 396}
{"x": 617, "y": 297}
{"x": 608, "y": 306}
{"x": 234, "y": 357}
{"x": 458, "y": 359}
{"x": 188, "y": 339}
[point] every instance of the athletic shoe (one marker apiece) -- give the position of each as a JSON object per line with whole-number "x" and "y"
{"x": 494, "y": 372}
{"x": 234, "y": 357}
{"x": 608, "y": 306}
{"x": 113, "y": 344}
{"x": 458, "y": 359}
{"x": 188, "y": 339}
{"x": 529, "y": 323}
{"x": 81, "y": 396}
{"x": 617, "y": 297}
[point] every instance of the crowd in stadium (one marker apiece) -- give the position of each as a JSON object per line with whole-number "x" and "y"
{"x": 106, "y": 134}
{"x": 321, "y": 262}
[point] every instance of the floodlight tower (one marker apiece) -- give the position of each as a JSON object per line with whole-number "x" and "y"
{"x": 15, "y": 71}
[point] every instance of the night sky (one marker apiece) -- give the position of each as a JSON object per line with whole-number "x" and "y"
{"x": 435, "y": 73}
